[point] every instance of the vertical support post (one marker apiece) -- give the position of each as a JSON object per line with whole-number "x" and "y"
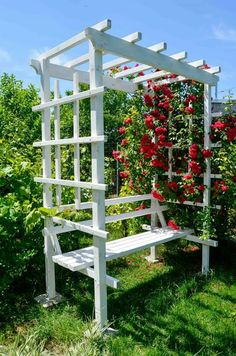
{"x": 51, "y": 297}
{"x": 207, "y": 173}
{"x": 57, "y": 137}
{"x": 98, "y": 205}
{"x": 49, "y": 264}
{"x": 76, "y": 135}
{"x": 205, "y": 259}
{"x": 207, "y": 143}
{"x": 46, "y": 133}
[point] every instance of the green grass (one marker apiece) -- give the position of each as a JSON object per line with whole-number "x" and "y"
{"x": 162, "y": 309}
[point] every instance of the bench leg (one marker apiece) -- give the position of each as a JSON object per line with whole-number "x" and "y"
{"x": 153, "y": 258}
{"x": 100, "y": 287}
{"x": 51, "y": 297}
{"x": 205, "y": 259}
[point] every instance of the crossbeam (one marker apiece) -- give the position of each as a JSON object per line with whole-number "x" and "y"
{"x": 71, "y": 183}
{"x": 143, "y": 67}
{"x": 133, "y": 37}
{"x": 134, "y": 52}
{"x": 74, "y": 41}
{"x": 159, "y": 47}
{"x": 69, "y": 99}
{"x": 70, "y": 141}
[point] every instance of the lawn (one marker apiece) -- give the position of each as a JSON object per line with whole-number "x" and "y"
{"x": 161, "y": 309}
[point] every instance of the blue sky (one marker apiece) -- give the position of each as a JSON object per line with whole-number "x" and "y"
{"x": 204, "y": 28}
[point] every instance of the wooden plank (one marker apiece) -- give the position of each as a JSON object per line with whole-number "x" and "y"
{"x": 162, "y": 73}
{"x": 57, "y": 124}
{"x": 207, "y": 143}
{"x": 70, "y": 141}
{"x": 74, "y": 41}
{"x": 159, "y": 47}
{"x": 76, "y": 134}
{"x": 125, "y": 73}
{"x": 133, "y": 37}
{"x": 205, "y": 259}
{"x": 71, "y": 183}
{"x": 187, "y": 202}
{"x": 81, "y": 259}
{"x": 98, "y": 197}
{"x": 61, "y": 72}
{"x": 191, "y": 237}
{"x": 182, "y": 78}
{"x": 143, "y": 55}
{"x": 110, "y": 281}
{"x": 78, "y": 226}
{"x": 70, "y": 98}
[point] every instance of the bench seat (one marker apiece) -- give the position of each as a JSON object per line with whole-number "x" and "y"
{"x": 81, "y": 259}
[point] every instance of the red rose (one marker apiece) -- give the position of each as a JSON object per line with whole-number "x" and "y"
{"x": 149, "y": 122}
{"x": 124, "y": 142}
{"x": 218, "y": 125}
{"x": 173, "y": 225}
{"x": 188, "y": 176}
{"x": 148, "y": 100}
{"x": 189, "y": 110}
{"x": 224, "y": 188}
{"x": 231, "y": 133}
{"x": 201, "y": 187}
{"x": 128, "y": 121}
{"x": 116, "y": 154}
{"x": 124, "y": 174}
{"x": 195, "y": 167}
{"x": 122, "y": 130}
{"x": 157, "y": 196}
{"x": 193, "y": 150}
{"x": 207, "y": 153}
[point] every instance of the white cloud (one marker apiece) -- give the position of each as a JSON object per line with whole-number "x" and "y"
{"x": 4, "y": 56}
{"x": 223, "y": 33}
{"x": 61, "y": 59}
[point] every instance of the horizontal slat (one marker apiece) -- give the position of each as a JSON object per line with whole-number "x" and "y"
{"x": 110, "y": 281}
{"x": 216, "y": 114}
{"x": 134, "y": 52}
{"x": 69, "y": 183}
{"x": 192, "y": 238}
{"x": 133, "y": 37}
{"x": 182, "y": 78}
{"x": 216, "y": 145}
{"x": 108, "y": 202}
{"x": 162, "y": 73}
{"x": 70, "y": 98}
{"x": 130, "y": 215}
{"x": 125, "y": 73}
{"x": 203, "y": 242}
{"x": 72, "y": 42}
{"x": 159, "y": 47}
{"x": 69, "y": 141}
{"x": 78, "y": 226}
{"x": 81, "y": 259}
{"x": 187, "y": 202}
{"x": 61, "y": 72}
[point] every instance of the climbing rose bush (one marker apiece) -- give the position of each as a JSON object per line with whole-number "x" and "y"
{"x": 171, "y": 117}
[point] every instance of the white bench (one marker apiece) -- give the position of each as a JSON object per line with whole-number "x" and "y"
{"x": 81, "y": 259}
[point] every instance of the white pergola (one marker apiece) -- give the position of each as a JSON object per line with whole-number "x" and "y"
{"x": 91, "y": 261}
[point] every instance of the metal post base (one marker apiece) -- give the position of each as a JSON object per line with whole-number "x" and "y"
{"x": 44, "y": 300}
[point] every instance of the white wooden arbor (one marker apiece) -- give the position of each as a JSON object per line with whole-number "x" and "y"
{"x": 91, "y": 261}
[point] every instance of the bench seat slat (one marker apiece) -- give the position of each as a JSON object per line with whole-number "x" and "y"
{"x": 84, "y": 258}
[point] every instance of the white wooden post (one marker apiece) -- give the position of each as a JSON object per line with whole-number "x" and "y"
{"x": 205, "y": 258}
{"x": 57, "y": 137}
{"x": 207, "y": 173}
{"x": 76, "y": 135}
{"x": 49, "y": 264}
{"x": 98, "y": 205}
{"x": 47, "y": 171}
